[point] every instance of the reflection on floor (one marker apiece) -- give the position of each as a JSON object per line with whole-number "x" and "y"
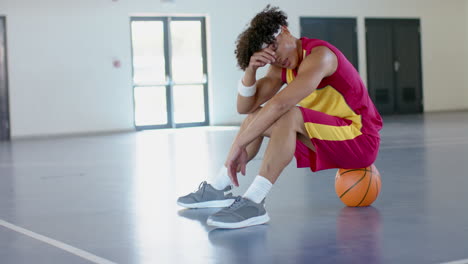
{"x": 114, "y": 196}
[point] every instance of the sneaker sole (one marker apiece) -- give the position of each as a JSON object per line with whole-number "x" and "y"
{"x": 209, "y": 204}
{"x": 258, "y": 220}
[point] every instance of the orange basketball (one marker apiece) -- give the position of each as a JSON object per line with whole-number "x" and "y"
{"x": 358, "y": 187}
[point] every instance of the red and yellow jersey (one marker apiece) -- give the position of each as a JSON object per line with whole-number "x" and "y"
{"x": 342, "y": 94}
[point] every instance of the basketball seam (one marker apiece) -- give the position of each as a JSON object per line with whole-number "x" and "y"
{"x": 341, "y": 174}
{"x": 377, "y": 187}
{"x": 367, "y": 191}
{"x": 354, "y": 184}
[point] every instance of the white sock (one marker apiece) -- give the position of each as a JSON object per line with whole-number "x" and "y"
{"x": 258, "y": 189}
{"x": 221, "y": 180}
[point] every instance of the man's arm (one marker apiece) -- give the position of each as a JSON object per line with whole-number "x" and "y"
{"x": 322, "y": 62}
{"x": 267, "y": 87}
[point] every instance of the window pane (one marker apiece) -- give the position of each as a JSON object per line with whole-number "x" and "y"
{"x": 187, "y": 59}
{"x": 148, "y": 53}
{"x": 189, "y": 105}
{"x": 150, "y": 106}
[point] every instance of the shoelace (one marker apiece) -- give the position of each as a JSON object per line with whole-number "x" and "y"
{"x": 202, "y": 187}
{"x": 237, "y": 202}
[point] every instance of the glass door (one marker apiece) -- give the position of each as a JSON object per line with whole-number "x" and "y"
{"x": 169, "y": 72}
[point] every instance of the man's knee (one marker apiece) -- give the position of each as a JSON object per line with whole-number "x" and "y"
{"x": 292, "y": 120}
{"x": 251, "y": 116}
{"x": 288, "y": 118}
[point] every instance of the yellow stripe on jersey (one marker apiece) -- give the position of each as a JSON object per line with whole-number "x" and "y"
{"x": 331, "y": 102}
{"x": 289, "y": 76}
{"x": 328, "y": 100}
{"x": 328, "y": 132}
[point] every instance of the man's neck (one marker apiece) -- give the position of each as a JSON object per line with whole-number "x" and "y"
{"x": 299, "y": 50}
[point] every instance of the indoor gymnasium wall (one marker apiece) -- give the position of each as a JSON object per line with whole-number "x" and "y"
{"x": 443, "y": 42}
{"x": 60, "y": 67}
{"x": 60, "y": 55}
{"x": 466, "y": 51}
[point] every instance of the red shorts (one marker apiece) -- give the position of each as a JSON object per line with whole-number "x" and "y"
{"x": 338, "y": 143}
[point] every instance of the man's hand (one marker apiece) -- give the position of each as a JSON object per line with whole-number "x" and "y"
{"x": 238, "y": 158}
{"x": 257, "y": 60}
{"x": 262, "y": 58}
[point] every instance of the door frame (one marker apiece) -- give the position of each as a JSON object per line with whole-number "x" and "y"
{"x": 169, "y": 83}
{"x": 392, "y": 21}
{"x": 4, "y": 93}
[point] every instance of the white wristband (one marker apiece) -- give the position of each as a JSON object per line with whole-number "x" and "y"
{"x": 247, "y": 91}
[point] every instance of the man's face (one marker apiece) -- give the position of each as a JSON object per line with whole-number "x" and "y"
{"x": 285, "y": 49}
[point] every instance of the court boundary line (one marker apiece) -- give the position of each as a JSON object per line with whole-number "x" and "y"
{"x": 461, "y": 261}
{"x": 55, "y": 243}
{"x": 432, "y": 144}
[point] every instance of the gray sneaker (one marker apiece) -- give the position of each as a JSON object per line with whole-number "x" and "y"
{"x": 207, "y": 196}
{"x": 242, "y": 213}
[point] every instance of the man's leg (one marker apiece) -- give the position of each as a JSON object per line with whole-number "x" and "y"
{"x": 287, "y": 129}
{"x": 253, "y": 148}
{"x": 282, "y": 145}
{"x": 279, "y": 153}
{"x": 222, "y": 180}
{"x": 214, "y": 193}
{"x": 250, "y": 210}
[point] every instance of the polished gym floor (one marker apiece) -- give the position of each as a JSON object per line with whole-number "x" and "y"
{"x": 111, "y": 199}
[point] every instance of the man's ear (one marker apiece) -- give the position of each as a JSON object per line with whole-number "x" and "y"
{"x": 285, "y": 29}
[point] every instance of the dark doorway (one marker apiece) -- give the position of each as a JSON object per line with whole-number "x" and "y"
{"x": 394, "y": 65}
{"x": 340, "y": 32}
{"x": 4, "y": 104}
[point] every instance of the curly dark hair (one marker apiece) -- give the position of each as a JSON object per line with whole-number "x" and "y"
{"x": 261, "y": 30}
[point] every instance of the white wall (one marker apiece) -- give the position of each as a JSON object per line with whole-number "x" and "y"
{"x": 466, "y": 50}
{"x": 60, "y": 55}
{"x": 61, "y": 78}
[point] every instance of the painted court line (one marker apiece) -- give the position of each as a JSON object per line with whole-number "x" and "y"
{"x": 421, "y": 145}
{"x": 462, "y": 261}
{"x": 73, "y": 250}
